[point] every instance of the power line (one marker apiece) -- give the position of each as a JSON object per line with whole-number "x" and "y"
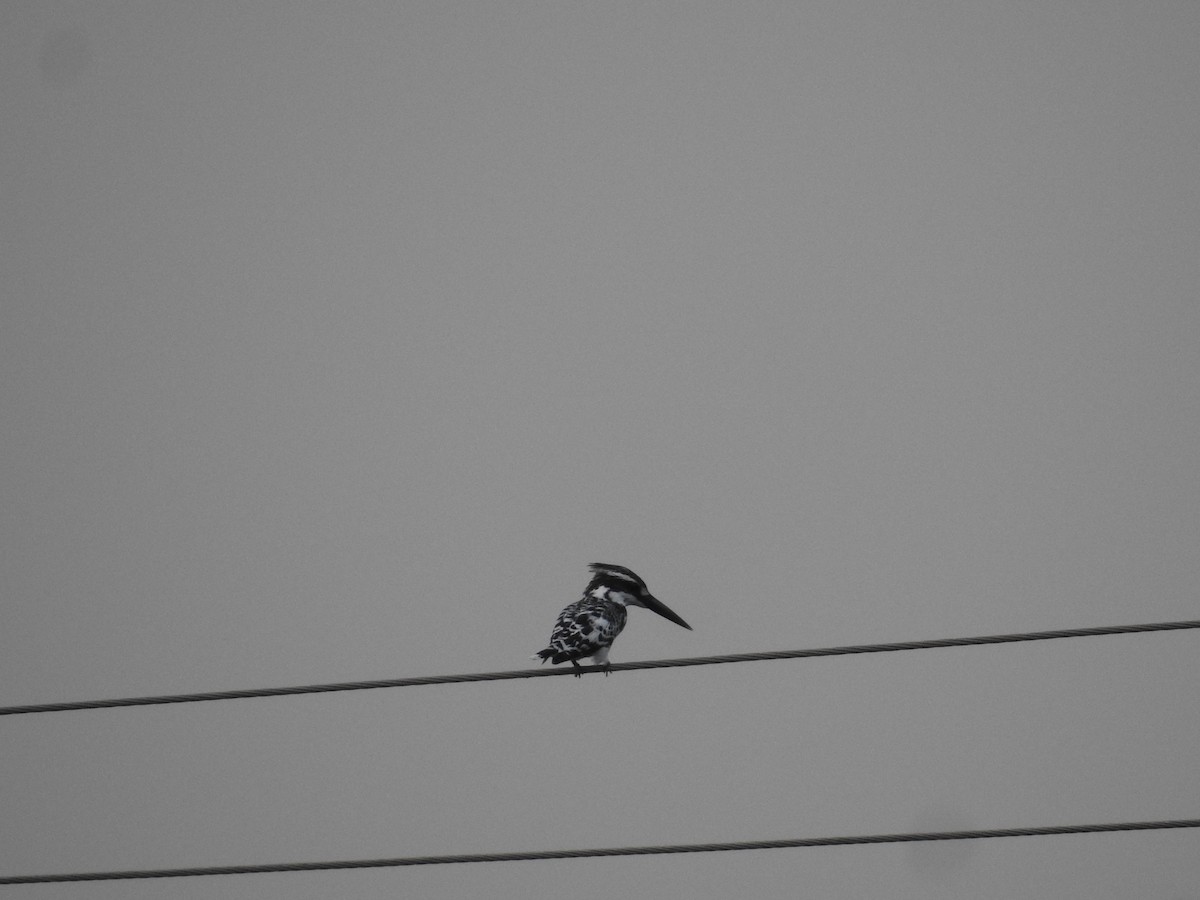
{"x": 615, "y": 667}
{"x": 607, "y": 851}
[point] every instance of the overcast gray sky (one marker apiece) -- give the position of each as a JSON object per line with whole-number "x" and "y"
{"x": 337, "y": 339}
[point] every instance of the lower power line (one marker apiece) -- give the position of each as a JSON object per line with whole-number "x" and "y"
{"x": 609, "y": 851}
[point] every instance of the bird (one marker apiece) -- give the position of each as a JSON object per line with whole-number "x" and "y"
{"x": 589, "y": 626}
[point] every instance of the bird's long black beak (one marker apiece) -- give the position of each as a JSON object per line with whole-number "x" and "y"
{"x": 656, "y": 605}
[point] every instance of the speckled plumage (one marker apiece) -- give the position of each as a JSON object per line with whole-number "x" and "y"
{"x": 589, "y": 626}
{"x": 585, "y": 628}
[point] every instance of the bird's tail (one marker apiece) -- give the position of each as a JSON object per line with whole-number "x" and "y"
{"x": 543, "y": 655}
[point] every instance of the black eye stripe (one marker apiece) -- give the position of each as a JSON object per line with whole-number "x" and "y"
{"x": 616, "y": 586}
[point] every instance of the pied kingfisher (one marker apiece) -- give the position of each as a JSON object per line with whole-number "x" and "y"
{"x": 589, "y": 627}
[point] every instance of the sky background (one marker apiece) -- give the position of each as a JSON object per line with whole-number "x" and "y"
{"x": 337, "y": 339}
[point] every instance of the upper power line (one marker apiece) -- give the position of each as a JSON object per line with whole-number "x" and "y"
{"x": 615, "y": 667}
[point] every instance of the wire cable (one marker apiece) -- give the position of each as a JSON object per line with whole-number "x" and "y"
{"x": 615, "y": 667}
{"x": 607, "y": 851}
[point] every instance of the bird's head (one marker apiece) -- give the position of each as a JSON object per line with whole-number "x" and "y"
{"x": 624, "y": 586}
